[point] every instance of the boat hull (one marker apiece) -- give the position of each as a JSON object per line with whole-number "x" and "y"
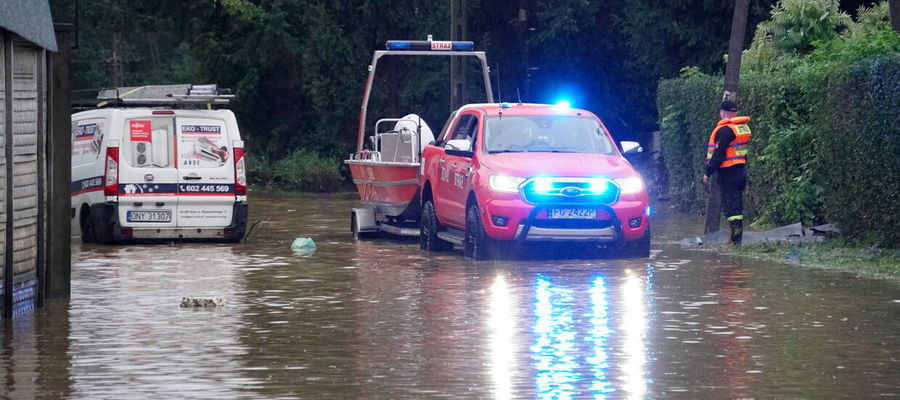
{"x": 391, "y": 188}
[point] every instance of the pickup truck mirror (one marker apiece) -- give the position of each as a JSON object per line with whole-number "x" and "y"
{"x": 629, "y": 148}
{"x": 458, "y": 148}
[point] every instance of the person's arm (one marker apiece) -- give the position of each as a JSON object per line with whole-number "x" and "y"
{"x": 724, "y": 136}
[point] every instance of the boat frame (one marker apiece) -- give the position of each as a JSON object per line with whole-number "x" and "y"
{"x": 389, "y": 189}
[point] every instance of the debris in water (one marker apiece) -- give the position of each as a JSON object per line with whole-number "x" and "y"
{"x": 202, "y": 302}
{"x": 303, "y": 245}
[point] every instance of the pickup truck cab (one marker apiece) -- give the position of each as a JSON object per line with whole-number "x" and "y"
{"x": 529, "y": 172}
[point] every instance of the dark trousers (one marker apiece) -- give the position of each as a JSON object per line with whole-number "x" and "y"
{"x": 732, "y": 181}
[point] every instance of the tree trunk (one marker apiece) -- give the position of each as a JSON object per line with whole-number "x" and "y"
{"x": 894, "y": 11}
{"x": 736, "y": 48}
{"x": 732, "y": 75}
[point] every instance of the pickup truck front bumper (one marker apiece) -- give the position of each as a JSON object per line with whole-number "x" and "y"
{"x": 622, "y": 221}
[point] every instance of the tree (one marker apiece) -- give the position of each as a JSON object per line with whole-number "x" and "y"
{"x": 894, "y": 6}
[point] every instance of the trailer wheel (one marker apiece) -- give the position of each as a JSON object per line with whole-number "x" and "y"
{"x": 428, "y": 229}
{"x": 354, "y": 227}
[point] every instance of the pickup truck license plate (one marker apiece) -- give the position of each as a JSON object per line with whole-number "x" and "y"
{"x": 573, "y": 213}
{"x": 149, "y": 216}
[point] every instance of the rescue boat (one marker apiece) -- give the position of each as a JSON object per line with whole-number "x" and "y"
{"x": 385, "y": 166}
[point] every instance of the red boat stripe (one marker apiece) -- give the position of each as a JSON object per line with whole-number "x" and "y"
{"x": 387, "y": 183}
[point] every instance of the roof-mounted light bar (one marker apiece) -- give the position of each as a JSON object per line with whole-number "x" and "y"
{"x": 429, "y": 45}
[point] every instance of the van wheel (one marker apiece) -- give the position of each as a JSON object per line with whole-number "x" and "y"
{"x": 428, "y": 229}
{"x": 478, "y": 245}
{"x": 88, "y": 233}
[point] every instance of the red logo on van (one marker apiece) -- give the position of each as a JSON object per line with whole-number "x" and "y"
{"x": 140, "y": 130}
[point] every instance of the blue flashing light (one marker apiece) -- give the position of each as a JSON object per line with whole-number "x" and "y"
{"x": 398, "y": 45}
{"x": 649, "y": 211}
{"x": 505, "y": 105}
{"x": 463, "y": 46}
{"x": 563, "y": 105}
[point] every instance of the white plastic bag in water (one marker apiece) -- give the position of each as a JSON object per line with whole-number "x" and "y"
{"x": 303, "y": 245}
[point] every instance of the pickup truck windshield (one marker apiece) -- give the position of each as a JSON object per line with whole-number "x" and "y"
{"x": 545, "y": 133}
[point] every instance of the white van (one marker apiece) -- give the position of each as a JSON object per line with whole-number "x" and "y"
{"x": 157, "y": 173}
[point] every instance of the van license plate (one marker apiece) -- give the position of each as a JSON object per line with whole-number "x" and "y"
{"x": 149, "y": 216}
{"x": 573, "y": 213}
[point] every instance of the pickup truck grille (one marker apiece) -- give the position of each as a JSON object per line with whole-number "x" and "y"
{"x": 570, "y": 191}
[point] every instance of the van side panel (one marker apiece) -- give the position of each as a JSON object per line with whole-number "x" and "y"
{"x": 90, "y": 135}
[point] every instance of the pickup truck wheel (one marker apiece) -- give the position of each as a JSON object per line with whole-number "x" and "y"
{"x": 477, "y": 245}
{"x": 428, "y": 229}
{"x": 637, "y": 249}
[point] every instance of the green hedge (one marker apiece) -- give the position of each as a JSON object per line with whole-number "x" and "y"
{"x": 860, "y": 150}
{"x": 825, "y": 144}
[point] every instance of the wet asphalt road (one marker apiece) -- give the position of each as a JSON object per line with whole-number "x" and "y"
{"x": 380, "y": 319}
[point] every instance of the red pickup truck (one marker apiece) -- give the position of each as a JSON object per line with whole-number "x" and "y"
{"x": 512, "y": 173}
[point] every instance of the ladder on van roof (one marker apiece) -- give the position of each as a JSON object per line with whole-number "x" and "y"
{"x": 185, "y": 95}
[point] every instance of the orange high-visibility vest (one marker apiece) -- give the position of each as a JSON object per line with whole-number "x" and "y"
{"x": 736, "y": 153}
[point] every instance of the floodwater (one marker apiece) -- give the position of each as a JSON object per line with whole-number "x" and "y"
{"x": 381, "y": 319}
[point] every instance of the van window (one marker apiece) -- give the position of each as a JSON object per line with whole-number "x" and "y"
{"x": 202, "y": 143}
{"x": 149, "y": 142}
{"x": 87, "y": 140}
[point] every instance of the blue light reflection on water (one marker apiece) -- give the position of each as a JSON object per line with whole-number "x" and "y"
{"x": 598, "y": 336}
{"x": 555, "y": 352}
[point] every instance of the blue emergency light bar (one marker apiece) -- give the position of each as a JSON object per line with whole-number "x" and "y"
{"x": 429, "y": 45}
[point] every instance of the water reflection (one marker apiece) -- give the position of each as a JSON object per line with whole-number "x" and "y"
{"x": 634, "y": 324}
{"x": 599, "y": 337}
{"x": 572, "y": 359}
{"x": 554, "y": 348}
{"x": 502, "y": 323}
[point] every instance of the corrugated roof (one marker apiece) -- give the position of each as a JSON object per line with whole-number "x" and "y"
{"x": 29, "y": 19}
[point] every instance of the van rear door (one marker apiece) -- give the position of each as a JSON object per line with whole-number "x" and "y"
{"x": 147, "y": 173}
{"x": 205, "y": 173}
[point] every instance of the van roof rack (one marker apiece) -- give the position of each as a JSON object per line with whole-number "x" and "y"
{"x": 178, "y": 96}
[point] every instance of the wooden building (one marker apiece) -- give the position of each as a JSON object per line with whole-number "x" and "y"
{"x": 30, "y": 167}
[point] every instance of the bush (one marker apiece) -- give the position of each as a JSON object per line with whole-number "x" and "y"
{"x": 859, "y": 146}
{"x": 307, "y": 171}
{"x": 259, "y": 168}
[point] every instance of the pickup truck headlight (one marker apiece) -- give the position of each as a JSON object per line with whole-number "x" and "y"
{"x": 503, "y": 183}
{"x": 630, "y": 185}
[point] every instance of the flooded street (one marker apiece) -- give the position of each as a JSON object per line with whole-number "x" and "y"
{"x": 381, "y": 319}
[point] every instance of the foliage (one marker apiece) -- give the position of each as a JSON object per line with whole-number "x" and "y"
{"x": 308, "y": 172}
{"x": 822, "y": 148}
{"x": 688, "y": 109}
{"x": 862, "y": 171}
{"x": 796, "y": 24}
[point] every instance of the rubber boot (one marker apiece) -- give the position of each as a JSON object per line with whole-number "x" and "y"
{"x": 736, "y": 229}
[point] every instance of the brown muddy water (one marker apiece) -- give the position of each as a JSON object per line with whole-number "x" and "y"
{"x": 381, "y": 319}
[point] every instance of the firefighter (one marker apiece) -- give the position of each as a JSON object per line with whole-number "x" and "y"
{"x": 726, "y": 156}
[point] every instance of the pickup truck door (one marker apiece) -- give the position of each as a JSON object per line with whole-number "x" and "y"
{"x": 454, "y": 167}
